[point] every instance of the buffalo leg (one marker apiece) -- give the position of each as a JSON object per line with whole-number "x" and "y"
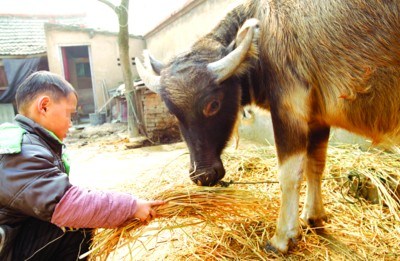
{"x": 313, "y": 213}
{"x": 291, "y": 140}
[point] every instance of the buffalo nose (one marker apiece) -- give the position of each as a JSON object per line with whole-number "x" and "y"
{"x": 208, "y": 176}
{"x": 219, "y": 171}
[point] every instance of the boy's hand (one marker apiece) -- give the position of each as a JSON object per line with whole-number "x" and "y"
{"x": 144, "y": 211}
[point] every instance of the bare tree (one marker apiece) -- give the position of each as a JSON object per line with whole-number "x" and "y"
{"x": 123, "y": 45}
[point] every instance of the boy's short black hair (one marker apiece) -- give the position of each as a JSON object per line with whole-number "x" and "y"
{"x": 42, "y": 82}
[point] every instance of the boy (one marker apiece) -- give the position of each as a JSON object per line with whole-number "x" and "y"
{"x": 37, "y": 201}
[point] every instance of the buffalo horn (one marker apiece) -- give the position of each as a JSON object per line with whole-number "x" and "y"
{"x": 226, "y": 66}
{"x": 148, "y": 76}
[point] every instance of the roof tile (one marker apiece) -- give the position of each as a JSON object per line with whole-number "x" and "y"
{"x": 21, "y": 35}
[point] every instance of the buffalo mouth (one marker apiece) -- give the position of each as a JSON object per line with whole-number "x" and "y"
{"x": 207, "y": 176}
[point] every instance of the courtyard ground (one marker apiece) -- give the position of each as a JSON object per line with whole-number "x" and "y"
{"x": 103, "y": 157}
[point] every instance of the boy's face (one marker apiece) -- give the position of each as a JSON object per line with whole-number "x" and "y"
{"x": 57, "y": 115}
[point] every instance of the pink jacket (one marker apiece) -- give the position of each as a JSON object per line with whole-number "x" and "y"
{"x": 83, "y": 208}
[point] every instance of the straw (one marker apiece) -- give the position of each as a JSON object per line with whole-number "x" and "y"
{"x": 235, "y": 223}
{"x": 186, "y": 207}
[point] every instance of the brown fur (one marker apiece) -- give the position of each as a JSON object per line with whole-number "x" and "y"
{"x": 348, "y": 52}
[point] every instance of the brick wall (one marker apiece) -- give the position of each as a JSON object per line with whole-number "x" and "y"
{"x": 161, "y": 126}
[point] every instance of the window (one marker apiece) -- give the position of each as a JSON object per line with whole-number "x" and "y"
{"x": 83, "y": 69}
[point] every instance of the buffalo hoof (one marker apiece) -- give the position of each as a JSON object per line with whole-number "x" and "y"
{"x": 269, "y": 247}
{"x": 314, "y": 223}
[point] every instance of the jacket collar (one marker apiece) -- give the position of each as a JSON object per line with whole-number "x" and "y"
{"x": 32, "y": 127}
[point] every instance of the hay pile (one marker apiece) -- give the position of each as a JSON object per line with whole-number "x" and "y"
{"x": 234, "y": 223}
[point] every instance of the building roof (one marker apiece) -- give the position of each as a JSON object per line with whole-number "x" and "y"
{"x": 24, "y": 35}
{"x": 76, "y": 28}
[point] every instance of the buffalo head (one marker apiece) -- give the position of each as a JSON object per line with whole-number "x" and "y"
{"x": 202, "y": 89}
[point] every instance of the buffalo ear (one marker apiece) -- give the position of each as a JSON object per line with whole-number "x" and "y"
{"x": 244, "y": 50}
{"x": 155, "y": 64}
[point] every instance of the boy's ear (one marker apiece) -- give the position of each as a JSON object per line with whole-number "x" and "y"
{"x": 43, "y": 103}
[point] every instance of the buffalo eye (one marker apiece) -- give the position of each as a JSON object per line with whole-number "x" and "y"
{"x": 212, "y": 108}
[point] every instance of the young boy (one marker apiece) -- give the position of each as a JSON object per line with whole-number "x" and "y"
{"x": 42, "y": 215}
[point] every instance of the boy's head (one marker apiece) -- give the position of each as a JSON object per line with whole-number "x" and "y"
{"x": 49, "y": 100}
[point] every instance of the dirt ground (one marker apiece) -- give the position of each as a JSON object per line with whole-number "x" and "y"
{"x": 103, "y": 157}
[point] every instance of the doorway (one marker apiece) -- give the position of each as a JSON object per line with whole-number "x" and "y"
{"x": 77, "y": 71}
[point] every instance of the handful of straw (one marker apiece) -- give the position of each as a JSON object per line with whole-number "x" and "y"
{"x": 185, "y": 207}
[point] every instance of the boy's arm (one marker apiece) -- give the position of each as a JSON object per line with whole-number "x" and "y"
{"x": 83, "y": 208}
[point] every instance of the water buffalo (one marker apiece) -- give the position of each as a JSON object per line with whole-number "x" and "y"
{"x": 312, "y": 63}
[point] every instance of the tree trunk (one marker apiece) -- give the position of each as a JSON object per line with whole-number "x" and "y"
{"x": 134, "y": 116}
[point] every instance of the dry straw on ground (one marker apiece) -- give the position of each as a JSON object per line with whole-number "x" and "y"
{"x": 235, "y": 223}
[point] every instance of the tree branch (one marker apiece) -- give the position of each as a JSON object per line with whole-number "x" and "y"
{"x": 111, "y": 5}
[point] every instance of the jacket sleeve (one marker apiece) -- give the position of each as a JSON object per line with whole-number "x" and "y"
{"x": 32, "y": 183}
{"x": 83, "y": 208}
